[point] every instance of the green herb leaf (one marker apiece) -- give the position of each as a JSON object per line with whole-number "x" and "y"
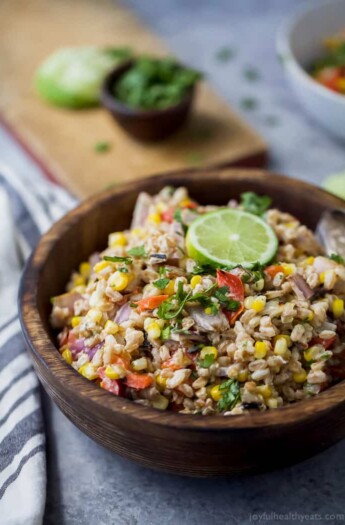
{"x": 115, "y": 258}
{"x": 161, "y": 283}
{"x": 225, "y": 54}
{"x": 337, "y": 258}
{"x": 251, "y": 74}
{"x": 123, "y": 270}
{"x": 249, "y": 103}
{"x": 162, "y": 271}
{"x": 165, "y": 334}
{"x": 230, "y": 395}
{"x": 155, "y": 83}
{"x": 102, "y": 147}
{"x": 178, "y": 218}
{"x": 137, "y": 251}
{"x": 255, "y": 204}
{"x": 222, "y": 294}
{"x": 208, "y": 360}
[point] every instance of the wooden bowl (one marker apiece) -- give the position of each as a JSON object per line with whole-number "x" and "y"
{"x": 146, "y": 125}
{"x": 183, "y": 444}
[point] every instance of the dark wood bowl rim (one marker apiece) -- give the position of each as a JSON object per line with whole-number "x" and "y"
{"x": 100, "y": 399}
{"x": 111, "y": 103}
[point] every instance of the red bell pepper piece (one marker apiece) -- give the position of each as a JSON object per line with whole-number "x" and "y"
{"x": 150, "y": 303}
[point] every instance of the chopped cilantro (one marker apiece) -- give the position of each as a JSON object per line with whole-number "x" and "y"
{"x": 225, "y": 54}
{"x": 203, "y": 269}
{"x": 255, "y": 204}
{"x": 208, "y": 360}
{"x": 161, "y": 283}
{"x": 162, "y": 271}
{"x": 337, "y": 258}
{"x": 178, "y": 218}
{"x": 249, "y": 103}
{"x": 230, "y": 390}
{"x": 115, "y": 258}
{"x": 222, "y": 295}
{"x": 165, "y": 334}
{"x": 123, "y": 269}
{"x": 102, "y": 147}
{"x": 251, "y": 74}
{"x": 138, "y": 251}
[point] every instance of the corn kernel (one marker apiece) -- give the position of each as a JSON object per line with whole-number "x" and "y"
{"x": 111, "y": 328}
{"x": 264, "y": 390}
{"x": 185, "y": 203}
{"x": 139, "y": 364}
{"x": 95, "y": 315}
{"x": 85, "y": 269}
{"x": 242, "y": 376}
{"x": 290, "y": 224}
{"x": 311, "y": 353}
{"x": 119, "y": 281}
{"x": 170, "y": 288}
{"x": 338, "y": 307}
{"x": 261, "y": 348}
{"x": 310, "y": 316}
{"x": 259, "y": 303}
{"x": 161, "y": 207}
{"x": 114, "y": 372}
{"x": 308, "y": 261}
{"x": 216, "y": 393}
{"x": 272, "y": 403}
{"x": 75, "y": 321}
{"x": 100, "y": 266}
{"x": 288, "y": 269}
{"x": 208, "y": 350}
{"x": 160, "y": 402}
{"x": 300, "y": 377}
{"x": 117, "y": 239}
{"x": 208, "y": 310}
{"x": 161, "y": 381}
{"x": 280, "y": 347}
{"x": 138, "y": 232}
{"x": 155, "y": 218}
{"x": 248, "y": 302}
{"x": 195, "y": 280}
{"x": 78, "y": 280}
{"x": 154, "y": 330}
{"x": 322, "y": 277}
{"x": 286, "y": 337}
{"x": 67, "y": 355}
{"x": 89, "y": 371}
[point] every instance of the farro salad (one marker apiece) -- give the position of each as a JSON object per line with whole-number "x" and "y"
{"x": 207, "y": 310}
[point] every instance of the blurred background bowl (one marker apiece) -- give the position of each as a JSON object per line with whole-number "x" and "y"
{"x": 146, "y": 125}
{"x": 300, "y": 43}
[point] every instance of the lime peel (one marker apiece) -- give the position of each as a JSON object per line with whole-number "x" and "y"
{"x": 229, "y": 237}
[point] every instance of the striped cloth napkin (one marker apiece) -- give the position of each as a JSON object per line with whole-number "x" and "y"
{"x": 27, "y": 209}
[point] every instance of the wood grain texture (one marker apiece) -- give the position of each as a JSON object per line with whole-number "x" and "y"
{"x": 184, "y": 444}
{"x": 64, "y": 139}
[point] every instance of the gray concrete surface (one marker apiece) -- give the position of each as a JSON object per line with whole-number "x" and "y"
{"x": 88, "y": 485}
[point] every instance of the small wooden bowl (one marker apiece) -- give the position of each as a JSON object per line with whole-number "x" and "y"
{"x": 183, "y": 444}
{"x": 146, "y": 125}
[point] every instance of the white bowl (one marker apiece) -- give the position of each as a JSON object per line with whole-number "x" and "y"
{"x": 300, "y": 42}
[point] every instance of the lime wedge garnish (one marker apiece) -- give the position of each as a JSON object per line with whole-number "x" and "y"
{"x": 335, "y": 184}
{"x": 229, "y": 237}
{"x": 72, "y": 77}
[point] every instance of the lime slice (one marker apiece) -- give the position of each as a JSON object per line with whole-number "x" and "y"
{"x": 335, "y": 184}
{"x": 229, "y": 237}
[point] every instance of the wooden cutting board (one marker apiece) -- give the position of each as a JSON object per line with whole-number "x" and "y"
{"x": 63, "y": 140}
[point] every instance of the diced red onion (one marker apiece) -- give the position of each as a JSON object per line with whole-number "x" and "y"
{"x": 301, "y": 288}
{"x": 123, "y": 314}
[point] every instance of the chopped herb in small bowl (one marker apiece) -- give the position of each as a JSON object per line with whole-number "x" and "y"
{"x": 150, "y": 97}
